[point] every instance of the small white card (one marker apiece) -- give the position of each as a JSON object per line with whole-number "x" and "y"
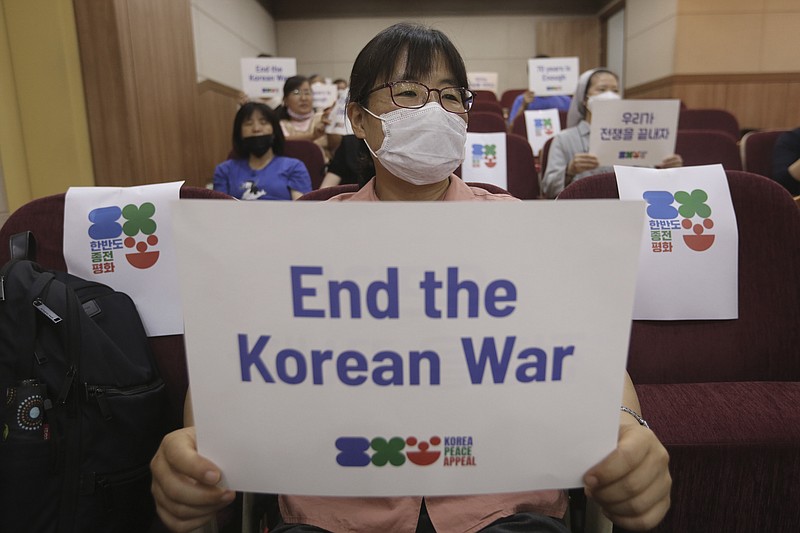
{"x": 482, "y": 81}
{"x": 325, "y": 95}
{"x": 689, "y": 260}
{"x": 634, "y": 132}
{"x": 122, "y": 237}
{"x": 541, "y": 125}
{"x": 263, "y": 77}
{"x": 553, "y": 75}
{"x": 486, "y": 159}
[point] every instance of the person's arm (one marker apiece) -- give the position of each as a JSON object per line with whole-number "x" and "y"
{"x": 520, "y": 104}
{"x": 672, "y": 161}
{"x": 786, "y": 161}
{"x": 297, "y": 179}
{"x": 330, "y": 180}
{"x": 632, "y": 484}
{"x": 221, "y": 181}
{"x": 794, "y": 170}
{"x": 184, "y": 483}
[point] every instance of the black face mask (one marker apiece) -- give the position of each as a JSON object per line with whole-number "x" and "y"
{"x": 258, "y": 145}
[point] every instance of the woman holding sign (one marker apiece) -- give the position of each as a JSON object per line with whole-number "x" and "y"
{"x": 409, "y": 104}
{"x": 569, "y": 158}
{"x": 299, "y": 121}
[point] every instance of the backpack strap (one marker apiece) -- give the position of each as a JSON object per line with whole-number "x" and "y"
{"x": 22, "y": 246}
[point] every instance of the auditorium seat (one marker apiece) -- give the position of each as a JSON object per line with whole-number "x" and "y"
{"x": 723, "y": 395}
{"x": 508, "y": 97}
{"x": 485, "y": 122}
{"x": 485, "y": 96}
{"x": 709, "y": 119}
{"x": 706, "y": 147}
{"x": 312, "y": 157}
{"x": 485, "y": 106}
{"x": 756, "y": 151}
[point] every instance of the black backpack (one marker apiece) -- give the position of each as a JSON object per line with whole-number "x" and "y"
{"x": 82, "y": 407}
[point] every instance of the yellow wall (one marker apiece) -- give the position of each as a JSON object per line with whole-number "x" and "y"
{"x": 44, "y": 138}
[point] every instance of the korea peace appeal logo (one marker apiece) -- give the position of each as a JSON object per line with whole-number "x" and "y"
{"x": 395, "y": 451}
{"x": 692, "y": 215}
{"x": 130, "y": 231}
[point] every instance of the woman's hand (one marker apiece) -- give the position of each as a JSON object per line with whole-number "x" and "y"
{"x": 185, "y": 483}
{"x": 527, "y": 98}
{"x": 672, "y": 161}
{"x": 319, "y": 127}
{"x": 582, "y": 163}
{"x": 632, "y": 484}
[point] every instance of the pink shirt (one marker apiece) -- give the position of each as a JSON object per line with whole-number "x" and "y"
{"x": 457, "y": 514}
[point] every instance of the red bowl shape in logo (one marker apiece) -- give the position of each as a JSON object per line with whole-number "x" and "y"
{"x": 699, "y": 243}
{"x": 143, "y": 260}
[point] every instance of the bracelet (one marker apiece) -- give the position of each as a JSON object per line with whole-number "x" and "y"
{"x": 635, "y": 415}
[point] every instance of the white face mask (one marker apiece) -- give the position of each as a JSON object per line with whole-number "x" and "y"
{"x": 421, "y": 146}
{"x": 606, "y": 95}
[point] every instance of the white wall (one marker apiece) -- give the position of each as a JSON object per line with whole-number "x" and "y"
{"x": 501, "y": 44}
{"x": 650, "y": 29}
{"x": 224, "y": 32}
{"x": 615, "y": 44}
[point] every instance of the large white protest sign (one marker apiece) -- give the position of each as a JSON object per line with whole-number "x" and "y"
{"x": 263, "y": 77}
{"x": 690, "y": 250}
{"x": 486, "y": 159}
{"x": 407, "y": 360}
{"x": 633, "y": 132}
{"x": 482, "y": 81}
{"x": 553, "y": 75}
{"x": 122, "y": 237}
{"x": 541, "y": 124}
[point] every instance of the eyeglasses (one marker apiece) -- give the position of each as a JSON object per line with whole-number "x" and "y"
{"x": 298, "y": 92}
{"x": 414, "y": 95}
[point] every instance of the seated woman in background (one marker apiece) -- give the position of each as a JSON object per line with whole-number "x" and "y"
{"x": 786, "y": 161}
{"x": 298, "y": 119}
{"x": 569, "y": 158}
{"x": 259, "y": 170}
{"x": 529, "y": 101}
{"x": 350, "y": 164}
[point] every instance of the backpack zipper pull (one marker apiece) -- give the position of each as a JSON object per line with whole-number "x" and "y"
{"x": 2, "y": 288}
{"x": 99, "y": 395}
{"x": 46, "y": 311}
{"x": 62, "y": 396}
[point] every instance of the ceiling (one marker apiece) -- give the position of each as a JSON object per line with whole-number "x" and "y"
{"x": 316, "y": 9}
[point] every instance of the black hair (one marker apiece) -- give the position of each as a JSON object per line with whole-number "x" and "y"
{"x": 419, "y": 45}
{"x": 244, "y": 113}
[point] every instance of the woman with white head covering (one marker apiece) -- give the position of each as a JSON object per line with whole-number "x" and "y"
{"x": 569, "y": 158}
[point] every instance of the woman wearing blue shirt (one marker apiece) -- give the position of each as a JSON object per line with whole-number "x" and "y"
{"x": 258, "y": 170}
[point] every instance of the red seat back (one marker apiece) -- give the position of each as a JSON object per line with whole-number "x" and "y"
{"x": 312, "y": 157}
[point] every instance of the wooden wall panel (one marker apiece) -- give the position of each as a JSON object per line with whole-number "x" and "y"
{"x": 759, "y": 101}
{"x": 570, "y": 36}
{"x": 111, "y": 102}
{"x": 217, "y": 107}
{"x": 164, "y": 68}
{"x": 142, "y": 97}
